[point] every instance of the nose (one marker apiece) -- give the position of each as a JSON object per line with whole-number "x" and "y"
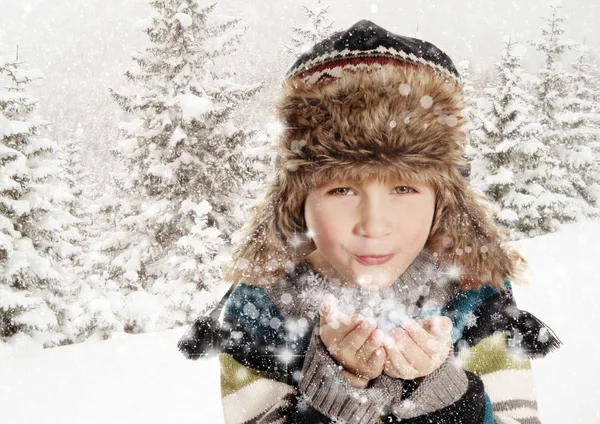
{"x": 374, "y": 217}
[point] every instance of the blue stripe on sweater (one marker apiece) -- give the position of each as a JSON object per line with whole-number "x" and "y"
{"x": 488, "y": 418}
{"x": 253, "y": 307}
{"x": 463, "y": 305}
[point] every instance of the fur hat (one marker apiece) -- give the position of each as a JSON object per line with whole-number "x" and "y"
{"x": 362, "y": 103}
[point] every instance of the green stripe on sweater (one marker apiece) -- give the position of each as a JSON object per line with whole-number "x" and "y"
{"x": 234, "y": 375}
{"x": 491, "y": 354}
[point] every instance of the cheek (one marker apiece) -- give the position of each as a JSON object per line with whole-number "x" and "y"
{"x": 329, "y": 227}
{"x": 327, "y": 223}
{"x": 415, "y": 223}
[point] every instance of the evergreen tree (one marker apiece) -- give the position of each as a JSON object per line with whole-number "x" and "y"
{"x": 185, "y": 166}
{"x": 319, "y": 27}
{"x": 101, "y": 297}
{"x": 472, "y": 111}
{"x": 74, "y": 177}
{"x": 519, "y": 170}
{"x": 98, "y": 300}
{"x": 585, "y": 125}
{"x": 37, "y": 229}
{"x": 556, "y": 106}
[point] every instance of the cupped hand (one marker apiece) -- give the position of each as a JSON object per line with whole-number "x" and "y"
{"x": 353, "y": 341}
{"x": 419, "y": 348}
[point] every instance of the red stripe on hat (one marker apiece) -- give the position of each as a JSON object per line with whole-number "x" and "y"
{"x": 355, "y": 61}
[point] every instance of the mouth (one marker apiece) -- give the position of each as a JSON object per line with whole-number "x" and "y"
{"x": 374, "y": 259}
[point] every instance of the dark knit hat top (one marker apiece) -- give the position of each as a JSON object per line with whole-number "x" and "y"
{"x": 366, "y": 44}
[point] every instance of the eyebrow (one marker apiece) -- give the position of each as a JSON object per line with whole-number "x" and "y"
{"x": 392, "y": 181}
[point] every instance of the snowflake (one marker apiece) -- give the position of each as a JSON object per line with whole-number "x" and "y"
{"x": 513, "y": 311}
{"x": 303, "y": 402}
{"x": 274, "y": 323}
{"x": 426, "y": 102}
{"x": 305, "y": 295}
{"x": 293, "y": 330}
{"x": 496, "y": 316}
{"x": 516, "y": 339}
{"x": 543, "y": 335}
{"x": 286, "y": 355}
{"x": 470, "y": 320}
{"x": 250, "y": 310}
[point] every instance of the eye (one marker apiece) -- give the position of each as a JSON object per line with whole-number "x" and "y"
{"x": 405, "y": 190}
{"x": 335, "y": 191}
{"x": 339, "y": 192}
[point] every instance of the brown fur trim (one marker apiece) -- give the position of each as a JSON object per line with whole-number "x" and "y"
{"x": 397, "y": 120}
{"x": 268, "y": 245}
{"x": 464, "y": 236}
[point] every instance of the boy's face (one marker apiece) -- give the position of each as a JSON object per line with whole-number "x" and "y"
{"x": 348, "y": 219}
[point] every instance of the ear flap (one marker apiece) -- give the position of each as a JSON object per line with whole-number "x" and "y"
{"x": 272, "y": 241}
{"x": 463, "y": 236}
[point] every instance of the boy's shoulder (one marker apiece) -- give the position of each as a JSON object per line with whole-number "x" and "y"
{"x": 249, "y": 300}
{"x": 250, "y": 307}
{"x": 296, "y": 294}
{"x": 252, "y": 302}
{"x": 479, "y": 314}
{"x": 467, "y": 306}
{"x": 253, "y": 310}
{"x": 470, "y": 299}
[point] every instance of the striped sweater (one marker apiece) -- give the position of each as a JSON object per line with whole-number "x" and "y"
{"x": 275, "y": 368}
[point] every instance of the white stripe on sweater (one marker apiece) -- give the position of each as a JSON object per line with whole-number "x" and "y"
{"x": 253, "y": 399}
{"x": 511, "y": 385}
{"x": 507, "y": 384}
{"x": 504, "y": 419}
{"x": 519, "y": 413}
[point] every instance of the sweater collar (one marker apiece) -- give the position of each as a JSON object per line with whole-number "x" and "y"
{"x": 422, "y": 269}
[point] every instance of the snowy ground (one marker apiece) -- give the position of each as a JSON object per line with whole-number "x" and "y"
{"x": 144, "y": 379}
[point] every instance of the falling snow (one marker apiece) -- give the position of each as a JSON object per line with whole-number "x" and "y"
{"x": 470, "y": 320}
{"x": 76, "y": 96}
{"x": 426, "y": 102}
{"x": 250, "y": 310}
{"x": 496, "y": 316}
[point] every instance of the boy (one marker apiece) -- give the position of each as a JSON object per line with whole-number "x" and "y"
{"x": 371, "y": 285}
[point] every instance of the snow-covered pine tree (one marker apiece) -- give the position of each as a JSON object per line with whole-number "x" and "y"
{"x": 519, "y": 171}
{"x": 468, "y": 72}
{"x": 585, "y": 125}
{"x": 319, "y": 27}
{"x": 556, "y": 106}
{"x": 101, "y": 298}
{"x": 74, "y": 176}
{"x": 473, "y": 108}
{"x": 98, "y": 300}
{"x": 36, "y": 300}
{"x": 185, "y": 163}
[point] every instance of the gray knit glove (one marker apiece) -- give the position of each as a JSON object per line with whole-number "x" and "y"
{"x": 435, "y": 391}
{"x": 326, "y": 389}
